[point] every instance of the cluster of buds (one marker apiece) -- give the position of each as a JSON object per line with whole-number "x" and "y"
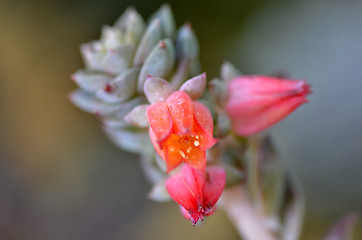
{"x": 196, "y": 139}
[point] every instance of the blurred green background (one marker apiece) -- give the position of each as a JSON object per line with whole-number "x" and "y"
{"x": 60, "y": 177}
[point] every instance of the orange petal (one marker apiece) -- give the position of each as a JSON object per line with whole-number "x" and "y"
{"x": 180, "y": 106}
{"x": 196, "y": 158}
{"x": 173, "y": 157}
{"x": 160, "y": 120}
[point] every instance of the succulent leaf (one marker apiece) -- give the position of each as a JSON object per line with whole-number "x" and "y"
{"x": 159, "y": 63}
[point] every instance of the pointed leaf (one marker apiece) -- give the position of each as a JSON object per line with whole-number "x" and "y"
{"x": 219, "y": 92}
{"x": 167, "y": 20}
{"x": 93, "y": 55}
{"x": 150, "y": 39}
{"x": 131, "y": 22}
{"x": 159, "y": 192}
{"x": 90, "y": 82}
{"x": 118, "y": 60}
{"x": 89, "y": 103}
{"x": 131, "y": 141}
{"x": 120, "y": 88}
{"x": 186, "y": 43}
{"x": 159, "y": 63}
{"x": 111, "y": 37}
{"x": 116, "y": 118}
{"x": 228, "y": 72}
{"x": 195, "y": 87}
{"x": 138, "y": 116}
{"x": 157, "y": 89}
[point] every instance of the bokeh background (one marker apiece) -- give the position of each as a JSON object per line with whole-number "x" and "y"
{"x": 60, "y": 177}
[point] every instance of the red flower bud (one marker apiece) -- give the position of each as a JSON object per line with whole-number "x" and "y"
{"x": 196, "y": 191}
{"x": 181, "y": 130}
{"x": 257, "y": 102}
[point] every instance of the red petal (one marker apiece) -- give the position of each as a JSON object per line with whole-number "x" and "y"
{"x": 185, "y": 188}
{"x": 180, "y": 106}
{"x": 156, "y": 144}
{"x": 203, "y": 117}
{"x": 254, "y": 86}
{"x": 256, "y": 122}
{"x": 214, "y": 185}
{"x": 160, "y": 120}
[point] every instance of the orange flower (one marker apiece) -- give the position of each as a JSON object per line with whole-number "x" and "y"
{"x": 181, "y": 130}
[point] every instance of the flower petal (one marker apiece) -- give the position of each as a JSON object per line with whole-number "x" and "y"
{"x": 214, "y": 185}
{"x": 196, "y": 159}
{"x": 172, "y": 157}
{"x": 160, "y": 120}
{"x": 203, "y": 117}
{"x": 180, "y": 106}
{"x": 185, "y": 188}
{"x": 254, "y": 123}
{"x": 156, "y": 145}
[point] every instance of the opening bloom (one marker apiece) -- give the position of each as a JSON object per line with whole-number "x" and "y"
{"x": 196, "y": 191}
{"x": 257, "y": 102}
{"x": 181, "y": 130}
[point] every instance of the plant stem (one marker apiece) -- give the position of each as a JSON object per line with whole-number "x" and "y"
{"x": 248, "y": 221}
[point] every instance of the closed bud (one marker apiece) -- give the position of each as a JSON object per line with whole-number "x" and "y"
{"x": 257, "y": 102}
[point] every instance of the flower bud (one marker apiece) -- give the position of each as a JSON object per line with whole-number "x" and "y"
{"x": 257, "y": 102}
{"x": 196, "y": 191}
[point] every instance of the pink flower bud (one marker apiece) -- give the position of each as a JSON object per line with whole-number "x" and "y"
{"x": 181, "y": 130}
{"x": 196, "y": 191}
{"x": 257, "y": 102}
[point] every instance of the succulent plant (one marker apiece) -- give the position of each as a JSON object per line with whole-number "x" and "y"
{"x": 118, "y": 64}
